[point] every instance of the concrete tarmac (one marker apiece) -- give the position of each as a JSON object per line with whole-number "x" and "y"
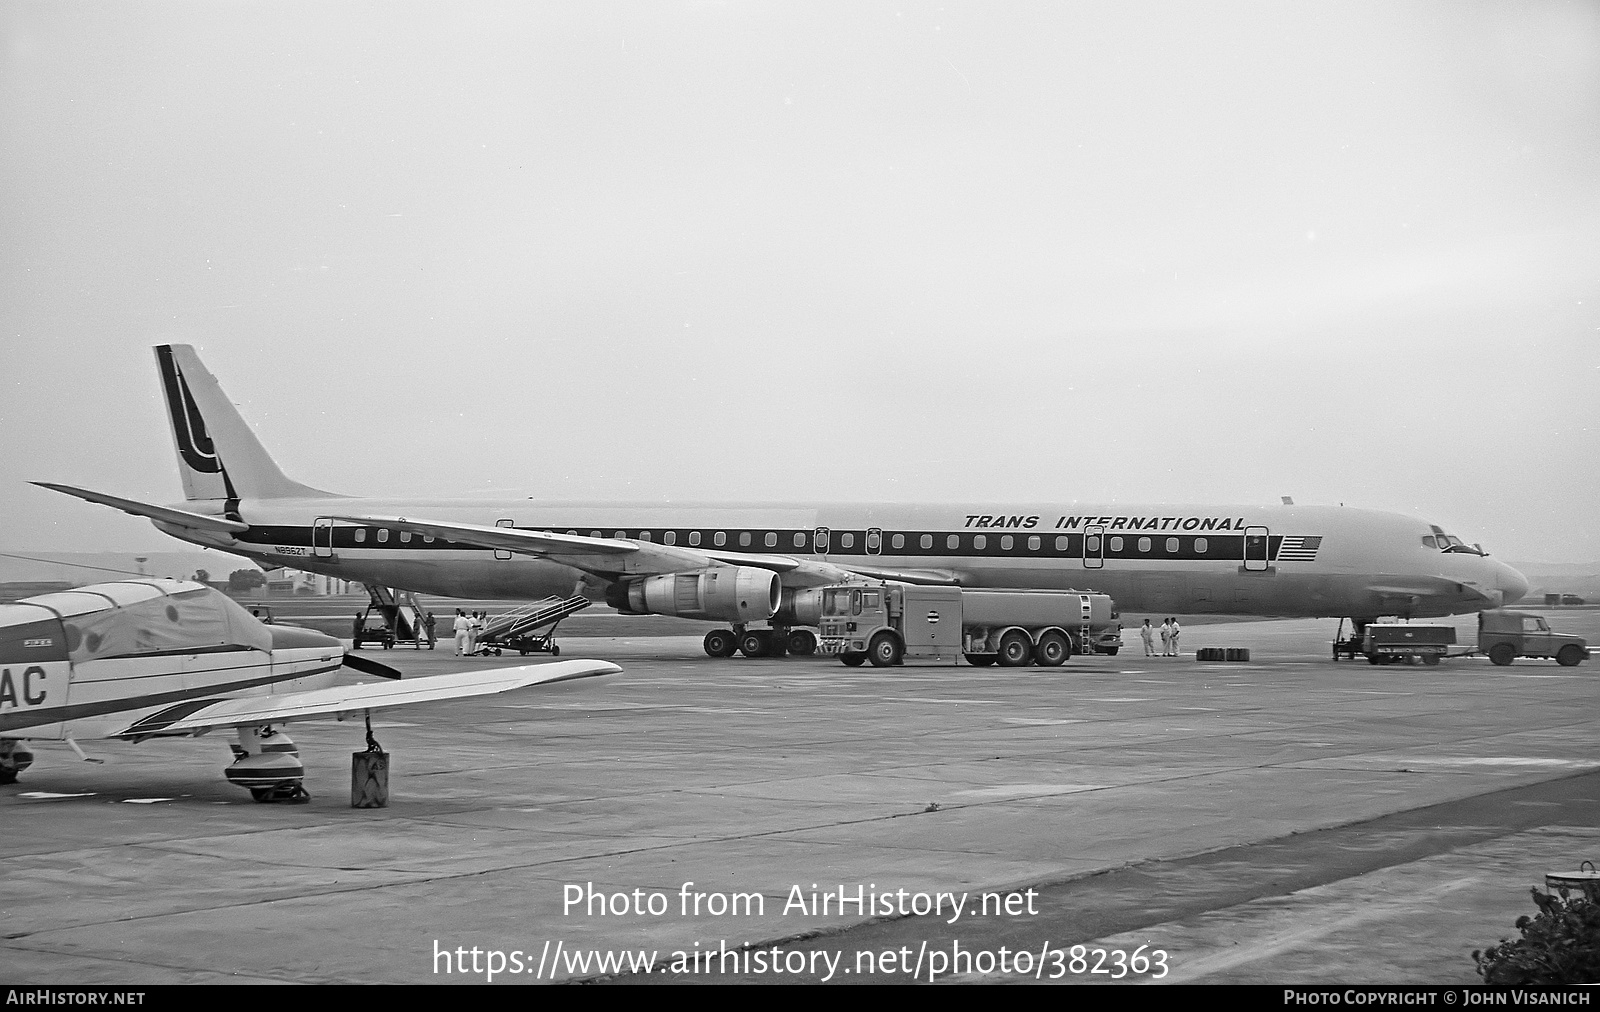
{"x": 1286, "y": 820}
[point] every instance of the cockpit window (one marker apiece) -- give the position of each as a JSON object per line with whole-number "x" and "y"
{"x": 1450, "y": 543}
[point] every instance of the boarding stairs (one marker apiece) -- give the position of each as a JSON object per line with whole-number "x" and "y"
{"x": 530, "y": 628}
{"x": 401, "y": 614}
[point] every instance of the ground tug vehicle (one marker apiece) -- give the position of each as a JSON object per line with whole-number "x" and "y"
{"x": 885, "y": 623}
{"x": 1506, "y": 635}
{"x": 1398, "y": 643}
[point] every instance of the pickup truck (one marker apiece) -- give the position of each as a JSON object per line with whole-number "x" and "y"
{"x": 1506, "y": 635}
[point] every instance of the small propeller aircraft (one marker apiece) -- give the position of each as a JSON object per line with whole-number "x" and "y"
{"x": 150, "y": 658}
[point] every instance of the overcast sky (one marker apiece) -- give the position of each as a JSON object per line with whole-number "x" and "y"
{"x": 978, "y": 253}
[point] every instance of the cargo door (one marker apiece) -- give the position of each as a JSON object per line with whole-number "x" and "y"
{"x": 501, "y": 553}
{"x": 1094, "y": 547}
{"x": 1255, "y": 549}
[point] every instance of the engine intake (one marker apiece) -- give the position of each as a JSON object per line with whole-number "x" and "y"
{"x": 735, "y": 594}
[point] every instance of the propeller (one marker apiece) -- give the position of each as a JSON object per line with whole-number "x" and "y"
{"x": 369, "y": 667}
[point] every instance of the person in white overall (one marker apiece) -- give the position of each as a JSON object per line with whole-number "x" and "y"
{"x": 1146, "y": 633}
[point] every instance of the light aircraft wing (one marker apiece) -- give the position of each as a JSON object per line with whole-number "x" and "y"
{"x": 166, "y": 514}
{"x": 204, "y": 714}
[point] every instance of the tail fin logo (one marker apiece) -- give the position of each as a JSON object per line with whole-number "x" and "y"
{"x": 188, "y": 427}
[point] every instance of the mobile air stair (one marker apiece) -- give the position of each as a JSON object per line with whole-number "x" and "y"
{"x": 393, "y": 617}
{"x": 530, "y": 628}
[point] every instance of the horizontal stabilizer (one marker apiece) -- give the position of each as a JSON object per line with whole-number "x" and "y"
{"x": 351, "y": 699}
{"x": 165, "y": 514}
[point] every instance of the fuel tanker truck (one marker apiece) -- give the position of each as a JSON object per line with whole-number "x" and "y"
{"x": 886, "y": 623}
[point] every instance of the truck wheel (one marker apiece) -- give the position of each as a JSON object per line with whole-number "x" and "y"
{"x": 884, "y": 650}
{"x": 720, "y": 643}
{"x": 1111, "y": 651}
{"x": 1015, "y": 650}
{"x": 1051, "y": 651}
{"x": 979, "y": 660}
{"x": 802, "y": 643}
{"x": 853, "y": 660}
{"x": 1502, "y": 654}
{"x": 1569, "y": 655}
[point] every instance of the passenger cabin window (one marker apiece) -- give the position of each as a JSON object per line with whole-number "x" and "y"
{"x": 1033, "y": 543}
{"x": 847, "y": 540}
{"x": 1172, "y": 544}
{"x": 1007, "y": 542}
{"x": 669, "y": 538}
{"x": 1116, "y": 544}
{"x": 383, "y": 534}
{"x": 771, "y": 540}
{"x": 978, "y": 541}
{"x": 595, "y": 534}
{"x": 361, "y": 535}
{"x": 744, "y": 539}
{"x": 644, "y": 535}
{"x": 926, "y": 541}
{"x": 427, "y": 539}
{"x": 620, "y": 534}
{"x": 898, "y": 541}
{"x": 1061, "y": 543}
{"x": 1144, "y": 544}
{"x": 799, "y": 539}
{"x": 1091, "y": 544}
{"x": 720, "y": 539}
{"x": 1200, "y": 546}
{"x": 694, "y": 537}
{"x": 405, "y": 536}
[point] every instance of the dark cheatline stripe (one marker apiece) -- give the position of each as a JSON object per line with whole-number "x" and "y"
{"x": 13, "y": 720}
{"x": 171, "y": 715}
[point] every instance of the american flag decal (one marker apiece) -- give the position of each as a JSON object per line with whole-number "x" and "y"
{"x": 1299, "y": 549}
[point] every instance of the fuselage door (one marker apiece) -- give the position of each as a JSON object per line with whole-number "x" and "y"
{"x": 322, "y": 538}
{"x": 499, "y": 553}
{"x": 1094, "y": 547}
{"x": 820, "y": 540}
{"x": 874, "y": 541}
{"x": 1255, "y": 549}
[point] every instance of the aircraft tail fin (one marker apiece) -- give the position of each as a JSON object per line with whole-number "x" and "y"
{"x": 219, "y": 457}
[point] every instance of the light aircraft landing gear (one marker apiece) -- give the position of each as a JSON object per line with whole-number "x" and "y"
{"x": 14, "y": 758}
{"x": 267, "y": 763}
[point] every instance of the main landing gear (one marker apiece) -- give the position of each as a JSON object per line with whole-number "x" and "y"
{"x": 774, "y": 642}
{"x": 267, "y": 763}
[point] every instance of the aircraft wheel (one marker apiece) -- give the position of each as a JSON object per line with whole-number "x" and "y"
{"x": 1431, "y": 660}
{"x": 884, "y": 651}
{"x": 1051, "y": 651}
{"x": 555, "y": 651}
{"x": 1015, "y": 650}
{"x": 1111, "y": 651}
{"x": 756, "y": 643}
{"x": 720, "y": 643}
{"x": 980, "y": 660}
{"x": 1502, "y": 654}
{"x": 853, "y": 660}
{"x": 1569, "y": 656}
{"x": 802, "y": 643}
{"x": 1374, "y": 659}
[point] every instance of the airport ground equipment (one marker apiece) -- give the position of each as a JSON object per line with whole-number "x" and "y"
{"x": 1506, "y": 635}
{"x": 1222, "y": 654}
{"x": 1397, "y": 643}
{"x": 885, "y": 623}
{"x": 529, "y": 629}
{"x": 394, "y": 616}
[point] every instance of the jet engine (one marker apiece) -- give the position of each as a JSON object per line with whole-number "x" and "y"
{"x": 800, "y": 607}
{"x": 733, "y": 594}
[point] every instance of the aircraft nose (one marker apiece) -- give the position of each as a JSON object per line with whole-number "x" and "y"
{"x": 1513, "y": 585}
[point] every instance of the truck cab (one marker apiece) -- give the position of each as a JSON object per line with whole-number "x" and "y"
{"x": 1506, "y": 635}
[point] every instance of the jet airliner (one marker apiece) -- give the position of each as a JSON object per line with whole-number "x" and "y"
{"x": 756, "y": 567}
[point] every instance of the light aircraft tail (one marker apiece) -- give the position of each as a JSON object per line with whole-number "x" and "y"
{"x": 218, "y": 456}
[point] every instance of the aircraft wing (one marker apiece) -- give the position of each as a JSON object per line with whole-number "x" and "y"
{"x": 921, "y": 577}
{"x": 166, "y": 514}
{"x": 204, "y": 714}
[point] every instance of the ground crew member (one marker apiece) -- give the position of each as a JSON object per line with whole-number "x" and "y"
{"x": 1175, "y": 632}
{"x": 1147, "y": 634}
{"x": 463, "y": 630}
{"x": 1166, "y": 637}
